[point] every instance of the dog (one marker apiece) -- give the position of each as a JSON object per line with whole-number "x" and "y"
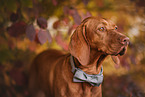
{"x": 78, "y": 73}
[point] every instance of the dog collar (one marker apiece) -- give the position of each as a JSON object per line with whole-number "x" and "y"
{"x": 81, "y": 76}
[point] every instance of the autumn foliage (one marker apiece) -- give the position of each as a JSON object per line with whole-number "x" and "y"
{"x": 28, "y": 27}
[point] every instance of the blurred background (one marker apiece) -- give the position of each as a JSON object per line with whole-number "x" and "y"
{"x": 28, "y": 27}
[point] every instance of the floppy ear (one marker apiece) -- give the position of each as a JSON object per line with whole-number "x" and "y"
{"x": 79, "y": 47}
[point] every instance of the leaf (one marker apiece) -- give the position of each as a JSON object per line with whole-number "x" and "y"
{"x": 11, "y": 5}
{"x": 42, "y": 22}
{"x": 18, "y": 75}
{"x": 124, "y": 62}
{"x": 42, "y": 36}
{"x": 32, "y": 46}
{"x": 66, "y": 10}
{"x": 49, "y": 37}
{"x": 17, "y": 29}
{"x": 14, "y": 17}
{"x": 66, "y": 21}
{"x": 54, "y": 2}
{"x": 56, "y": 24}
{"x": 116, "y": 60}
{"x": 27, "y": 13}
{"x": 140, "y": 3}
{"x": 61, "y": 42}
{"x": 7, "y": 79}
{"x": 133, "y": 59}
{"x": 76, "y": 16}
{"x": 62, "y": 22}
{"x": 30, "y": 32}
{"x": 27, "y": 3}
{"x": 100, "y": 3}
{"x": 85, "y": 1}
{"x": 6, "y": 55}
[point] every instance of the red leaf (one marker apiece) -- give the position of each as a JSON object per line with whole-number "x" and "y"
{"x": 17, "y": 29}
{"x": 66, "y": 10}
{"x": 140, "y": 3}
{"x": 124, "y": 62}
{"x": 1, "y": 67}
{"x": 76, "y": 17}
{"x": 56, "y": 24}
{"x": 100, "y": 3}
{"x": 32, "y": 46}
{"x": 85, "y": 1}
{"x": 54, "y": 2}
{"x": 42, "y": 22}
{"x": 11, "y": 44}
{"x": 14, "y": 17}
{"x": 30, "y": 32}
{"x": 66, "y": 21}
{"x": 61, "y": 42}
{"x": 49, "y": 36}
{"x": 43, "y": 36}
{"x": 18, "y": 75}
{"x": 133, "y": 59}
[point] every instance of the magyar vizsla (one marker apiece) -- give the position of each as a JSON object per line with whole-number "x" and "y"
{"x": 78, "y": 73}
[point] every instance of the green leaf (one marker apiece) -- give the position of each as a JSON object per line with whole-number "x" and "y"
{"x": 2, "y": 5}
{"x": 11, "y": 5}
{"x": 27, "y": 3}
{"x": 6, "y": 55}
{"x": 58, "y": 12}
{"x": 1, "y": 18}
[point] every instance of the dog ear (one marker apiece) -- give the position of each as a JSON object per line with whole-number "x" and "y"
{"x": 79, "y": 47}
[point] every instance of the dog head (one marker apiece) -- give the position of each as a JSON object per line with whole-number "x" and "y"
{"x": 99, "y": 34}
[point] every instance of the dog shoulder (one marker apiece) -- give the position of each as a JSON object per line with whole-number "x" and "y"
{"x": 52, "y": 53}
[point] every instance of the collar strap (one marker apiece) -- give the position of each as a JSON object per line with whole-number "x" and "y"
{"x": 81, "y": 76}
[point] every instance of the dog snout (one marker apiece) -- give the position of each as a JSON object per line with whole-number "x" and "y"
{"x": 124, "y": 40}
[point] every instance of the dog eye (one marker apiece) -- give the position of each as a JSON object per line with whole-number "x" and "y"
{"x": 101, "y": 29}
{"x": 115, "y": 28}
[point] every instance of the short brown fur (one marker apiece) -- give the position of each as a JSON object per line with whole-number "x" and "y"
{"x": 50, "y": 73}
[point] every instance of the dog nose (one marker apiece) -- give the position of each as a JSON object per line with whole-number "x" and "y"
{"x": 125, "y": 41}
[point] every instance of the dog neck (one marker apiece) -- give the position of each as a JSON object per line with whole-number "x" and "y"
{"x": 95, "y": 63}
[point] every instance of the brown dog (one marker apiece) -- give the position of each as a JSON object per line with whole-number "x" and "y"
{"x": 53, "y": 71}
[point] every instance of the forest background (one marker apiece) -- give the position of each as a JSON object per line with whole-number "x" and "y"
{"x": 28, "y": 27}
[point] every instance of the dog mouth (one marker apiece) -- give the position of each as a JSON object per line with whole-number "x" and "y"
{"x": 122, "y": 51}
